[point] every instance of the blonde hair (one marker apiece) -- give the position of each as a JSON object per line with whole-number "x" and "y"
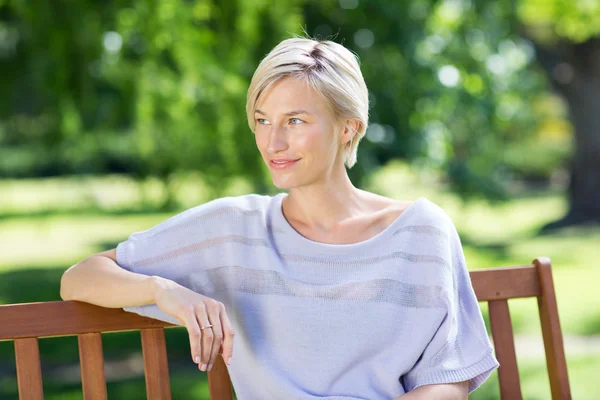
{"x": 331, "y": 69}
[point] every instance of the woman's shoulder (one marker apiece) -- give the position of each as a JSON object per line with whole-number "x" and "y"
{"x": 433, "y": 212}
{"x": 243, "y": 205}
{"x": 420, "y": 213}
{"x": 429, "y": 211}
{"x": 220, "y": 211}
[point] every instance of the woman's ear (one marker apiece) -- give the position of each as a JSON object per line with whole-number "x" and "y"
{"x": 350, "y": 129}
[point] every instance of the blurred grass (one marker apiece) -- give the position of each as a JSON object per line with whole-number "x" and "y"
{"x": 48, "y": 225}
{"x": 536, "y": 386}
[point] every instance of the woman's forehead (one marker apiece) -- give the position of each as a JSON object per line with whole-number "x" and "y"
{"x": 291, "y": 95}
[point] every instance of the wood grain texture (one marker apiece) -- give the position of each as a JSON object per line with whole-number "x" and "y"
{"x": 505, "y": 283}
{"x": 59, "y": 318}
{"x": 29, "y": 371}
{"x": 508, "y": 373}
{"x": 553, "y": 340}
{"x": 93, "y": 380}
{"x": 219, "y": 381}
{"x": 156, "y": 368}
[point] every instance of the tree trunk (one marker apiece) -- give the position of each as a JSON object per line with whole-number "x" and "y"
{"x": 574, "y": 70}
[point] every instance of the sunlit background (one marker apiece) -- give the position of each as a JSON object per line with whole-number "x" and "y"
{"x": 115, "y": 115}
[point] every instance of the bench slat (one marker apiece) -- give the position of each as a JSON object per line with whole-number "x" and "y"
{"x": 505, "y": 283}
{"x": 60, "y": 318}
{"x": 158, "y": 386}
{"x": 552, "y": 334}
{"x": 504, "y": 345}
{"x": 219, "y": 382}
{"x": 29, "y": 370}
{"x": 93, "y": 380}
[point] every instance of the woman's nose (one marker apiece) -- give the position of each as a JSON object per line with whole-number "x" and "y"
{"x": 277, "y": 140}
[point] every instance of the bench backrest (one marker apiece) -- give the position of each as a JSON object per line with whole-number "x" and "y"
{"x": 496, "y": 286}
{"x": 25, "y": 323}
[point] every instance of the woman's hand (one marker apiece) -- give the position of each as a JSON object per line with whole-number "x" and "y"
{"x": 194, "y": 310}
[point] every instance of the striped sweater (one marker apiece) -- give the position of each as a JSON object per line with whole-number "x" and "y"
{"x": 370, "y": 320}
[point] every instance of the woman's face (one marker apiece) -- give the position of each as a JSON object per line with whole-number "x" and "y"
{"x": 295, "y": 133}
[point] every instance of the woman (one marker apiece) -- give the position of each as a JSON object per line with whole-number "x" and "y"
{"x": 330, "y": 291}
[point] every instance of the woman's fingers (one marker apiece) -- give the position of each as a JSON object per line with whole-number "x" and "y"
{"x": 220, "y": 335}
{"x": 195, "y": 311}
{"x": 206, "y": 336}
{"x": 190, "y": 321}
{"x": 228, "y": 335}
{"x": 214, "y": 309}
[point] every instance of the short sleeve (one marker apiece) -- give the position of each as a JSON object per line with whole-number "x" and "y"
{"x": 157, "y": 250}
{"x": 169, "y": 250}
{"x": 460, "y": 348}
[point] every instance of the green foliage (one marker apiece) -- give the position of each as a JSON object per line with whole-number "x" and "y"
{"x": 153, "y": 88}
{"x": 168, "y": 77}
{"x": 189, "y": 71}
{"x": 452, "y": 86}
{"x": 552, "y": 20}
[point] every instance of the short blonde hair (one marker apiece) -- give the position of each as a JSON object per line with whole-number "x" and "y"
{"x": 330, "y": 68}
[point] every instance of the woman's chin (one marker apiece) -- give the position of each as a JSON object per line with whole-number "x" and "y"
{"x": 281, "y": 185}
{"x": 284, "y": 183}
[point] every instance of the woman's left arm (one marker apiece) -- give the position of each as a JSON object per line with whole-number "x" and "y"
{"x": 445, "y": 391}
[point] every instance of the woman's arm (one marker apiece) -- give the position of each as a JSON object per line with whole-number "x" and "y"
{"x": 446, "y": 391}
{"x": 99, "y": 280}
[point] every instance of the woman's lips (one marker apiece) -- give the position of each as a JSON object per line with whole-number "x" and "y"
{"x": 282, "y": 164}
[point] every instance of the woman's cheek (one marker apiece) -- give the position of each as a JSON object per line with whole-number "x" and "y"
{"x": 302, "y": 141}
{"x": 310, "y": 139}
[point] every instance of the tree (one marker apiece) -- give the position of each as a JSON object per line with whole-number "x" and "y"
{"x": 439, "y": 97}
{"x": 190, "y": 65}
{"x": 158, "y": 87}
{"x": 566, "y": 36}
{"x": 165, "y": 81}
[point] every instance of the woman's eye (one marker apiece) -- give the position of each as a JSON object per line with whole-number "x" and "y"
{"x": 296, "y": 121}
{"x": 262, "y": 121}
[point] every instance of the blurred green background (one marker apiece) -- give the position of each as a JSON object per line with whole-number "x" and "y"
{"x": 116, "y": 115}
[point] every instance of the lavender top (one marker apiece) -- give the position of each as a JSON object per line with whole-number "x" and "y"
{"x": 370, "y": 320}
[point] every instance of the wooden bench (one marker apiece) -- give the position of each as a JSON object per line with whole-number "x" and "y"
{"x": 25, "y": 323}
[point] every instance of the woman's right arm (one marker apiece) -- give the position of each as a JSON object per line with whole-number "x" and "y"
{"x": 99, "y": 280}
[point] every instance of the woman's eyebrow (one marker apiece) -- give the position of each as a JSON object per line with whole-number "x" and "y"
{"x": 287, "y": 114}
{"x": 296, "y": 112}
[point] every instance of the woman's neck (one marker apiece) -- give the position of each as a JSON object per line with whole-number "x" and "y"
{"x": 325, "y": 205}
